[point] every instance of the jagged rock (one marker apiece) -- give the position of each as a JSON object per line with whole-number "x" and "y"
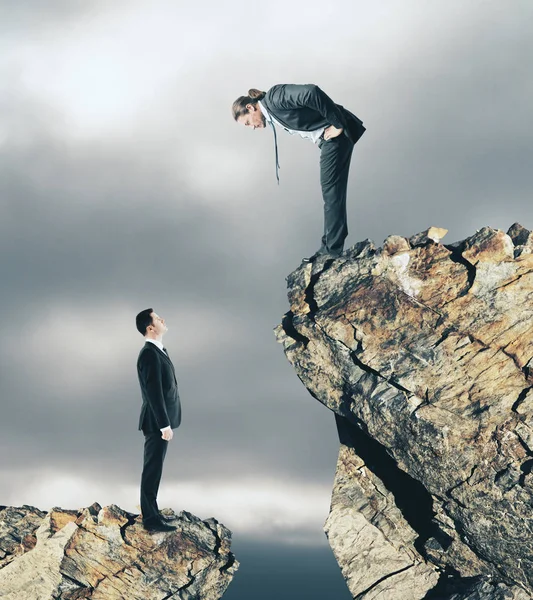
{"x": 395, "y": 244}
{"x": 522, "y": 239}
{"x": 17, "y": 527}
{"x": 433, "y": 234}
{"x": 425, "y": 355}
{"x": 476, "y": 588}
{"x": 520, "y": 235}
{"x": 105, "y": 554}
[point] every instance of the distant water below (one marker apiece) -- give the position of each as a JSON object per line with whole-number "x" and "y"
{"x": 281, "y": 572}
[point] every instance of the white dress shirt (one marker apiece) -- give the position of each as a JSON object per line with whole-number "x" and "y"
{"x": 157, "y": 343}
{"x": 314, "y": 136}
{"x": 161, "y": 347}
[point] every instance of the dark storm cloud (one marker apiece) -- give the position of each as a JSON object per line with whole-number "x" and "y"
{"x": 80, "y": 243}
{"x": 180, "y": 211}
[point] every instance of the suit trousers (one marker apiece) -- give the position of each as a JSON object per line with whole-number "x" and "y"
{"x": 335, "y": 156}
{"x": 155, "y": 448}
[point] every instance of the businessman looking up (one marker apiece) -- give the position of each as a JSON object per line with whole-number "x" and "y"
{"x": 160, "y": 413}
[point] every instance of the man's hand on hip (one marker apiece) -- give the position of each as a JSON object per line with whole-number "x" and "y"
{"x": 332, "y": 132}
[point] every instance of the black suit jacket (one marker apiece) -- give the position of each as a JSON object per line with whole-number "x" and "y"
{"x": 307, "y": 107}
{"x": 159, "y": 388}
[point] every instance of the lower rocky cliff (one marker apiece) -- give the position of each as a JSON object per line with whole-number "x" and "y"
{"x": 105, "y": 554}
{"x": 424, "y": 352}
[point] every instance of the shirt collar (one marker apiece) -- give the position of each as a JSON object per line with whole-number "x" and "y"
{"x": 156, "y": 343}
{"x": 265, "y": 112}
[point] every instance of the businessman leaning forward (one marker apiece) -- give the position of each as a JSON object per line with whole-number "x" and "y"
{"x": 160, "y": 413}
{"x": 307, "y": 111}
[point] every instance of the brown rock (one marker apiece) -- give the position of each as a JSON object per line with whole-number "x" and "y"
{"x": 395, "y": 244}
{"x": 427, "y": 352}
{"x": 433, "y": 234}
{"x": 106, "y": 554}
{"x": 17, "y": 531}
{"x": 488, "y": 245}
{"x": 59, "y": 518}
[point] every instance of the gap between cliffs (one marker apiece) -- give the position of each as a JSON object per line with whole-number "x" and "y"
{"x": 411, "y": 497}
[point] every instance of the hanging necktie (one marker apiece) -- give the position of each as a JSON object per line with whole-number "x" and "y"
{"x": 275, "y": 146}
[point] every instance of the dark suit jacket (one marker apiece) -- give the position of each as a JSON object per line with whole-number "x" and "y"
{"x": 307, "y": 107}
{"x": 159, "y": 388}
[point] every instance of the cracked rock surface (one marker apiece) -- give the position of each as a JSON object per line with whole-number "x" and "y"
{"x": 424, "y": 352}
{"x": 105, "y": 554}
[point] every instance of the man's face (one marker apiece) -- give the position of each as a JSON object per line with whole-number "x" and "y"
{"x": 254, "y": 118}
{"x": 158, "y": 325}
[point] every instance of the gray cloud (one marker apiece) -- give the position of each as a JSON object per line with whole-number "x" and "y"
{"x": 170, "y": 204}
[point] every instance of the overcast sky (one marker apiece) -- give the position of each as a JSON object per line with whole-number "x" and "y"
{"x": 126, "y": 184}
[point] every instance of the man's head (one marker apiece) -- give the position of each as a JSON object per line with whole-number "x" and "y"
{"x": 150, "y": 324}
{"x": 247, "y": 112}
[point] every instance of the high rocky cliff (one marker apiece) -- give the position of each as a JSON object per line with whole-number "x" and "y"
{"x": 424, "y": 352}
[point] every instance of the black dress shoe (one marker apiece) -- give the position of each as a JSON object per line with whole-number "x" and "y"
{"x": 167, "y": 517}
{"x": 311, "y": 259}
{"x": 157, "y": 525}
{"x": 319, "y": 254}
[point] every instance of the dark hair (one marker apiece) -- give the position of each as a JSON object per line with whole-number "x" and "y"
{"x": 239, "y": 106}
{"x": 143, "y": 320}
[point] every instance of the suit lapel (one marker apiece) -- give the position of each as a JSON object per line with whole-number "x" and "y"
{"x": 167, "y": 358}
{"x": 160, "y": 351}
{"x": 273, "y": 114}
